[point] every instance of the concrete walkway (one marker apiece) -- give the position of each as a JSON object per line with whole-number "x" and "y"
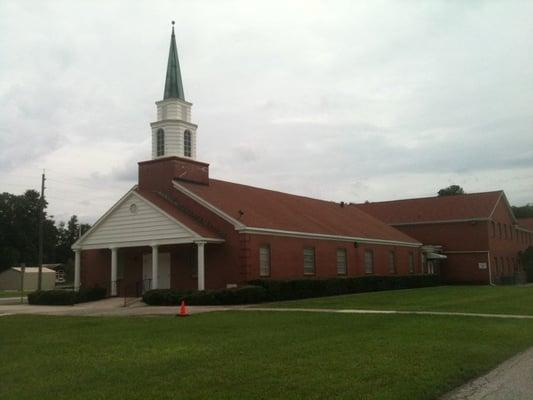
{"x": 511, "y": 380}
{"x": 356, "y": 311}
{"x": 107, "y": 307}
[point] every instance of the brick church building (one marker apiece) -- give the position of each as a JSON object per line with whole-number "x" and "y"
{"x": 178, "y": 228}
{"x": 477, "y": 233}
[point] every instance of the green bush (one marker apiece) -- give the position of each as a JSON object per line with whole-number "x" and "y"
{"x": 173, "y": 297}
{"x": 91, "y": 294}
{"x": 66, "y": 297}
{"x": 52, "y": 297}
{"x": 277, "y": 290}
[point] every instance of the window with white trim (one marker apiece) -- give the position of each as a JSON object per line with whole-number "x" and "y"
{"x": 309, "y": 261}
{"x": 369, "y": 262}
{"x": 411, "y": 263}
{"x": 341, "y": 261}
{"x": 392, "y": 262}
{"x": 160, "y": 143}
{"x": 264, "y": 260}
{"x": 187, "y": 144}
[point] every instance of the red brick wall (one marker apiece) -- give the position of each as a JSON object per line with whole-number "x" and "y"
{"x": 457, "y": 236}
{"x": 287, "y": 257}
{"x": 507, "y": 246}
{"x": 158, "y": 174}
{"x": 95, "y": 268}
{"x": 464, "y": 268}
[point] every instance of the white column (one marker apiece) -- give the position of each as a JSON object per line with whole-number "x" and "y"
{"x": 114, "y": 257}
{"x": 77, "y": 265}
{"x": 155, "y": 267}
{"x": 201, "y": 265}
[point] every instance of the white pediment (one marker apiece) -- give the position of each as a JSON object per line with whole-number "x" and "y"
{"x": 134, "y": 221}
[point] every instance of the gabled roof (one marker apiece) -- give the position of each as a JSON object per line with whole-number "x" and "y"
{"x": 474, "y": 206}
{"x": 168, "y": 207}
{"x": 248, "y": 207}
{"x": 526, "y": 223}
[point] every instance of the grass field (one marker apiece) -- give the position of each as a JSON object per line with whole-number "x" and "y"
{"x": 475, "y": 299}
{"x": 10, "y": 293}
{"x": 250, "y": 355}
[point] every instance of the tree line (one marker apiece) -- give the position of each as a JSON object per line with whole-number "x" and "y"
{"x": 19, "y": 232}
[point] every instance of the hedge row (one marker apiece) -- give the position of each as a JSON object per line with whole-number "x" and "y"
{"x": 304, "y": 288}
{"x": 172, "y": 297}
{"x": 275, "y": 290}
{"x": 66, "y": 297}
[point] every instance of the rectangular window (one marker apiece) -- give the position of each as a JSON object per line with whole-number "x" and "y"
{"x": 493, "y": 229}
{"x": 392, "y": 262}
{"x": 309, "y": 261}
{"x": 500, "y": 230}
{"x": 341, "y": 261}
{"x": 496, "y": 265}
{"x": 264, "y": 260}
{"x": 411, "y": 263}
{"x": 369, "y": 262}
{"x": 505, "y": 231}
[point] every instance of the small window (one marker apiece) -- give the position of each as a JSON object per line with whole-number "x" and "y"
{"x": 341, "y": 261}
{"x": 500, "y": 230}
{"x": 264, "y": 260}
{"x": 369, "y": 262}
{"x": 187, "y": 144}
{"x": 160, "y": 143}
{"x": 496, "y": 265}
{"x": 493, "y": 229}
{"x": 505, "y": 231}
{"x": 309, "y": 261}
{"x": 392, "y": 262}
{"x": 411, "y": 263}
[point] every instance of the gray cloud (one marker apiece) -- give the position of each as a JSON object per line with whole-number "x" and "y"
{"x": 345, "y": 100}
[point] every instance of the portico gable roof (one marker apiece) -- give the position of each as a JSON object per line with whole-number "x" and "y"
{"x": 144, "y": 219}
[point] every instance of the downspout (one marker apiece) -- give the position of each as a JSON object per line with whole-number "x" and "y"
{"x": 490, "y": 269}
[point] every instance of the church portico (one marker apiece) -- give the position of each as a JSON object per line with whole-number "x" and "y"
{"x": 136, "y": 239}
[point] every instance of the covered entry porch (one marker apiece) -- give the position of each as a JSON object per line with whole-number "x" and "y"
{"x": 143, "y": 240}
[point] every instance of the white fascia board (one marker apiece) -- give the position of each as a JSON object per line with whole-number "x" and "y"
{"x": 321, "y": 236}
{"x": 523, "y": 228}
{"x": 238, "y": 225}
{"x": 142, "y": 243}
{"x": 77, "y": 243}
{"x": 446, "y": 221}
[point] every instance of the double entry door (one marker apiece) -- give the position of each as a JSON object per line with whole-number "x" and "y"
{"x": 163, "y": 269}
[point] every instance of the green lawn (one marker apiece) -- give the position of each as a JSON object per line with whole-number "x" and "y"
{"x": 250, "y": 355}
{"x": 10, "y": 293}
{"x": 475, "y": 299}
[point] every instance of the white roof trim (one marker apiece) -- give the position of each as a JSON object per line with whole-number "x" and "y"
{"x": 321, "y": 236}
{"x": 195, "y": 236}
{"x": 239, "y": 226}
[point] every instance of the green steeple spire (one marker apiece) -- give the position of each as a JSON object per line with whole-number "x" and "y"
{"x": 173, "y": 85}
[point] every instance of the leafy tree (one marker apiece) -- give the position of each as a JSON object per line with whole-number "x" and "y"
{"x": 452, "y": 190}
{"x": 19, "y": 230}
{"x": 523, "y": 211}
{"x": 67, "y": 234}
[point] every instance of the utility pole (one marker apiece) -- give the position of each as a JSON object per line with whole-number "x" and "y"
{"x": 41, "y": 218}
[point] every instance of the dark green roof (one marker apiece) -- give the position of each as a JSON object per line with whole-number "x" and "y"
{"x": 173, "y": 85}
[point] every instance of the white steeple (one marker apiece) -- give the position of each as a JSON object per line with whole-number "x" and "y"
{"x": 173, "y": 134}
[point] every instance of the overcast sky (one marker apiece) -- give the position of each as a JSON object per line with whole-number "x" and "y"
{"x": 338, "y": 100}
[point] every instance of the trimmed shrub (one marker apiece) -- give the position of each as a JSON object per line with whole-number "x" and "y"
{"x": 173, "y": 297}
{"x": 91, "y": 294}
{"x": 277, "y": 290}
{"x": 61, "y": 297}
{"x": 52, "y": 297}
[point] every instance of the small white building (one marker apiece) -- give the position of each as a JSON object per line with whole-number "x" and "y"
{"x": 10, "y": 279}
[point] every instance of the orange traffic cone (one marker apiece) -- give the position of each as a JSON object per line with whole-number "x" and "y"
{"x": 183, "y": 310}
